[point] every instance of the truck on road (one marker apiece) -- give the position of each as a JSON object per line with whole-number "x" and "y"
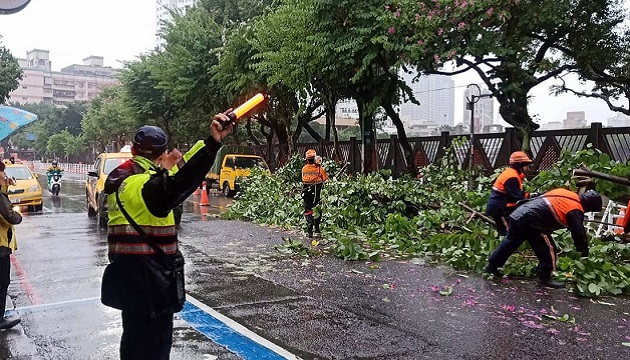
{"x": 232, "y": 163}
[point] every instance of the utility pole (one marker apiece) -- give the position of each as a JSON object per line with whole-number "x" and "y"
{"x": 472, "y": 100}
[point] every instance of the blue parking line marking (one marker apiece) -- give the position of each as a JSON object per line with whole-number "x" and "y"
{"x": 224, "y": 335}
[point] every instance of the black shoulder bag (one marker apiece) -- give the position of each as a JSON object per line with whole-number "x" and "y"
{"x": 172, "y": 269}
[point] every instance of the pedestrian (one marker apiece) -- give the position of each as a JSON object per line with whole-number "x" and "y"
{"x": 507, "y": 190}
{"x": 536, "y": 219}
{"x": 145, "y": 277}
{"x": 313, "y": 178}
{"x": 8, "y": 244}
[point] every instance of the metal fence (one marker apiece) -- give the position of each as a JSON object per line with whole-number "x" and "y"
{"x": 491, "y": 151}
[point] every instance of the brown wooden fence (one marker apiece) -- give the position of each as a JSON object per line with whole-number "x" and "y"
{"x": 491, "y": 151}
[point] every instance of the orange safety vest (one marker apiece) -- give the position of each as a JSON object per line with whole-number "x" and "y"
{"x": 623, "y": 222}
{"x": 499, "y": 183}
{"x": 560, "y": 202}
{"x": 313, "y": 174}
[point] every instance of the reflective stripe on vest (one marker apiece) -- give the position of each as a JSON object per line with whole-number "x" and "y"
{"x": 140, "y": 249}
{"x": 149, "y": 230}
{"x": 560, "y": 202}
{"x": 313, "y": 174}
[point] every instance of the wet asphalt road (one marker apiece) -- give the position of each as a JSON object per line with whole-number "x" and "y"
{"x": 318, "y": 308}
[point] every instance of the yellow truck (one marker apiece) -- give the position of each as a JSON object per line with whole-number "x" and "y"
{"x": 232, "y": 163}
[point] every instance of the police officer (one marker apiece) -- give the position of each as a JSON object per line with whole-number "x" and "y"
{"x": 507, "y": 190}
{"x": 137, "y": 279}
{"x": 8, "y": 244}
{"x": 534, "y": 222}
{"x": 313, "y": 178}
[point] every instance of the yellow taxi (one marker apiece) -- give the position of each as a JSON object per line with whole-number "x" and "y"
{"x": 103, "y": 165}
{"x": 27, "y": 191}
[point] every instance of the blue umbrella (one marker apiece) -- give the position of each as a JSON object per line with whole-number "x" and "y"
{"x": 12, "y": 119}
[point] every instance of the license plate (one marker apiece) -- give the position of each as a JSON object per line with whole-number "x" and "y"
{"x": 15, "y": 201}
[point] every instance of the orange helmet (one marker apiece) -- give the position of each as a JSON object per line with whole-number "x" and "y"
{"x": 519, "y": 157}
{"x": 310, "y": 153}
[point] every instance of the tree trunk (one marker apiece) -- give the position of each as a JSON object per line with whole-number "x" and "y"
{"x": 250, "y": 133}
{"x": 368, "y": 138}
{"x": 514, "y": 112}
{"x": 402, "y": 138}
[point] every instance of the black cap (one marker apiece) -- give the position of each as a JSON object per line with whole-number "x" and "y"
{"x": 150, "y": 140}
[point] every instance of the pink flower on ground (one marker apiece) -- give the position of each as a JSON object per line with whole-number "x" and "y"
{"x": 435, "y": 288}
{"x": 420, "y": 42}
{"x": 440, "y": 31}
{"x": 391, "y": 30}
{"x": 436, "y": 57}
{"x": 397, "y": 14}
{"x": 386, "y": 7}
{"x": 509, "y": 308}
{"x": 461, "y": 25}
{"x": 490, "y": 11}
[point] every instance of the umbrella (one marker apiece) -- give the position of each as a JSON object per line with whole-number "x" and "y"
{"x": 12, "y": 119}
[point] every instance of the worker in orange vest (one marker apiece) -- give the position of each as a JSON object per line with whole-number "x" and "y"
{"x": 313, "y": 178}
{"x": 507, "y": 190}
{"x": 536, "y": 219}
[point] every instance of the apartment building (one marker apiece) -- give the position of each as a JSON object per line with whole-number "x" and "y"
{"x": 77, "y": 82}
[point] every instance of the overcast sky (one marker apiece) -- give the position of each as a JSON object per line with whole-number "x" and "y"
{"x": 120, "y": 30}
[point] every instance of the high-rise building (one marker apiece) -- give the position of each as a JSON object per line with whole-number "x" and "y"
{"x": 163, "y": 8}
{"x": 436, "y": 94}
{"x": 575, "y": 120}
{"x": 77, "y": 82}
{"x": 484, "y": 110}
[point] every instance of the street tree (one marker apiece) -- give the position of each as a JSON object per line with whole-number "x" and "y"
{"x": 328, "y": 46}
{"x": 108, "y": 120}
{"x": 10, "y": 73}
{"x": 605, "y": 67}
{"x": 513, "y": 45}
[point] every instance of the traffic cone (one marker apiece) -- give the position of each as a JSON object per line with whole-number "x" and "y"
{"x": 204, "y": 213}
{"x": 204, "y": 195}
{"x": 197, "y": 191}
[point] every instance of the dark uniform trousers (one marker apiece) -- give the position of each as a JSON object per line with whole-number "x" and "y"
{"x": 146, "y": 337}
{"x": 542, "y": 244}
{"x": 5, "y": 279}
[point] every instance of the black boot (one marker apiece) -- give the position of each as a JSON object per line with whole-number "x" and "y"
{"x": 491, "y": 269}
{"x": 9, "y": 322}
{"x": 317, "y": 221}
{"x": 551, "y": 283}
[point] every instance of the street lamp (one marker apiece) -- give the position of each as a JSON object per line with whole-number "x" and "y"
{"x": 472, "y": 100}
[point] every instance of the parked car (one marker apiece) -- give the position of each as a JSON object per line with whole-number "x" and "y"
{"x": 95, "y": 199}
{"x": 27, "y": 191}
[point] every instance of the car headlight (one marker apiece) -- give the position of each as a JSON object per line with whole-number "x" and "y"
{"x": 33, "y": 188}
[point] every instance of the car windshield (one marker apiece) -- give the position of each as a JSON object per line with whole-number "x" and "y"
{"x": 19, "y": 173}
{"x": 111, "y": 164}
{"x": 247, "y": 163}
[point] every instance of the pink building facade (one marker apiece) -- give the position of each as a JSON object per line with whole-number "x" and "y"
{"x": 74, "y": 83}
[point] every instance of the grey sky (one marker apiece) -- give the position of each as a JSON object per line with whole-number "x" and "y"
{"x": 120, "y": 30}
